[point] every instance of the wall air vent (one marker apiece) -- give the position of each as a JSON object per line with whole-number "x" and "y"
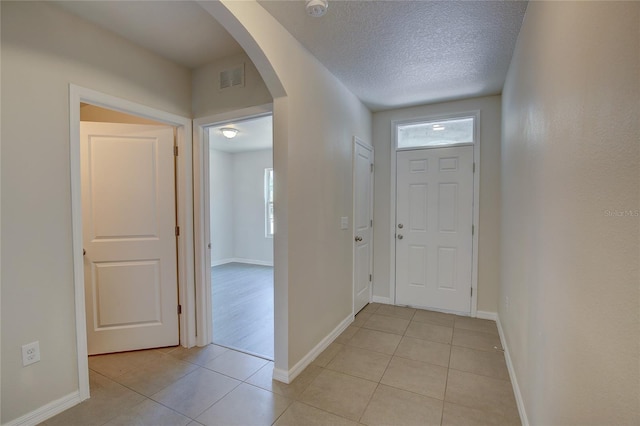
{"x": 232, "y": 77}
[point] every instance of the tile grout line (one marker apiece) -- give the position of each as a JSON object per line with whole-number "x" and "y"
{"x": 220, "y": 399}
{"x": 368, "y": 402}
{"x": 146, "y": 398}
{"x": 346, "y": 344}
{"x": 158, "y": 402}
{"x": 446, "y": 382}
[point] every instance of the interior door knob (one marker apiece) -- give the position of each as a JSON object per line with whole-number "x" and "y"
{"x": 400, "y": 226}
{"x": 400, "y": 236}
{"x": 358, "y": 238}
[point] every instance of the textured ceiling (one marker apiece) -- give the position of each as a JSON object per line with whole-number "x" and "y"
{"x": 180, "y": 31}
{"x": 389, "y": 53}
{"x": 253, "y": 134}
{"x": 400, "y": 53}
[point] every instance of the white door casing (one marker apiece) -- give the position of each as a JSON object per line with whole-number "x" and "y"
{"x": 129, "y": 223}
{"x": 434, "y": 218}
{"x": 362, "y": 224}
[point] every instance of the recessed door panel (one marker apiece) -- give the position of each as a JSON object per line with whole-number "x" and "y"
{"x": 447, "y": 268}
{"x": 127, "y": 294}
{"x": 363, "y": 193}
{"x": 448, "y": 207}
{"x": 123, "y": 207}
{"x": 418, "y": 214}
{"x": 448, "y": 164}
{"x": 418, "y": 262}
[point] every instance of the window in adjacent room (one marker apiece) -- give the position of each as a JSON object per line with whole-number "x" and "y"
{"x": 268, "y": 202}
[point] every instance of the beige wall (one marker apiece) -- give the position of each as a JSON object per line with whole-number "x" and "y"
{"x": 43, "y": 50}
{"x": 208, "y": 100}
{"x": 313, "y": 129}
{"x": 570, "y": 159}
{"x": 489, "y": 226}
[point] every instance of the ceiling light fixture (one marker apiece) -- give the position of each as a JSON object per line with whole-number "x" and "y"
{"x": 229, "y": 132}
{"x": 317, "y": 8}
{"x": 437, "y": 127}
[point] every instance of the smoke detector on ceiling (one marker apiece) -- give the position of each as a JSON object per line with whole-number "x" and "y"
{"x": 317, "y": 8}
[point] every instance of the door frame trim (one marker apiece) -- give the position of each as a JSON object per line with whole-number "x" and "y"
{"x": 476, "y": 199}
{"x": 365, "y": 145}
{"x": 202, "y": 226}
{"x": 184, "y": 202}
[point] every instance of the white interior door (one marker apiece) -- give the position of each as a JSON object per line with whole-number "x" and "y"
{"x": 434, "y": 214}
{"x": 362, "y": 224}
{"x": 128, "y": 226}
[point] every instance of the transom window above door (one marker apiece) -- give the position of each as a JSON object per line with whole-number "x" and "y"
{"x": 436, "y": 133}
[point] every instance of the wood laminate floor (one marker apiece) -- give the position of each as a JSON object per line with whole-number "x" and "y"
{"x": 243, "y": 307}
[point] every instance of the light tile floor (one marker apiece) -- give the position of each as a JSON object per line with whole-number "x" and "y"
{"x": 392, "y": 366}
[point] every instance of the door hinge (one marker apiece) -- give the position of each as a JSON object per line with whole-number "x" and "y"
{"x": 473, "y": 229}
{"x": 471, "y": 291}
{"x": 474, "y": 167}
{"x": 179, "y": 309}
{"x": 371, "y": 167}
{"x": 371, "y": 223}
{"x": 370, "y": 277}
{"x": 177, "y": 231}
{"x": 175, "y": 150}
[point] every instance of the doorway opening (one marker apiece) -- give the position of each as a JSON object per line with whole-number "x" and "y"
{"x": 181, "y": 210}
{"x": 241, "y": 183}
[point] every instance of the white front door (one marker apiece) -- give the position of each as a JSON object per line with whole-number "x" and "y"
{"x": 128, "y": 227}
{"x": 362, "y": 224}
{"x": 434, "y": 214}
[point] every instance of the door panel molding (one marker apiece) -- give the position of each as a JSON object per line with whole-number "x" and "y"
{"x": 184, "y": 207}
{"x": 444, "y": 164}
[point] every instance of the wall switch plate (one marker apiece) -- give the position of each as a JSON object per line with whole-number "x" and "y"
{"x": 344, "y": 222}
{"x": 30, "y": 353}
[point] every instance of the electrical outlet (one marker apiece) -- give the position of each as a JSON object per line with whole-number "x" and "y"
{"x": 344, "y": 222}
{"x": 30, "y": 353}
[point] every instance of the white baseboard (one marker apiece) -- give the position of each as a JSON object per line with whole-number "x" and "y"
{"x": 240, "y": 260}
{"x": 252, "y": 261}
{"x": 220, "y": 262}
{"x": 288, "y": 376}
{"x": 383, "y": 300}
{"x": 487, "y": 315}
{"x": 512, "y": 375}
{"x": 281, "y": 375}
{"x": 47, "y": 411}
